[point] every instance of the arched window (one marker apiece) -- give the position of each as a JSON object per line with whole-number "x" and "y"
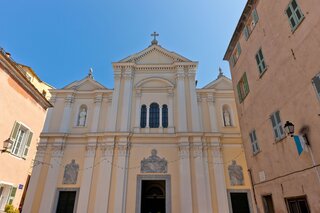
{"x": 154, "y": 115}
{"x": 82, "y": 116}
{"x": 226, "y": 114}
{"x": 143, "y": 116}
{"x": 164, "y": 116}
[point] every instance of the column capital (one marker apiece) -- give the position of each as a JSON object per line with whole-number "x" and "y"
{"x": 90, "y": 150}
{"x": 53, "y": 99}
{"x": 123, "y": 149}
{"x": 69, "y": 99}
{"x": 57, "y": 150}
{"x": 184, "y": 150}
{"x": 106, "y": 149}
{"x": 197, "y": 150}
{"x": 98, "y": 98}
{"x": 117, "y": 75}
{"x": 210, "y": 98}
{"x": 216, "y": 152}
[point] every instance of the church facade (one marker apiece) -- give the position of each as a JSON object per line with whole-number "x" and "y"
{"x": 154, "y": 143}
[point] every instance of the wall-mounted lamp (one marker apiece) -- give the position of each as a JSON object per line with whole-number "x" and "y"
{"x": 6, "y": 144}
{"x": 289, "y": 128}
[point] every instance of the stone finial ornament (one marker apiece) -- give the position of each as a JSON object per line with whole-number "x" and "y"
{"x": 90, "y": 74}
{"x": 220, "y": 73}
{"x": 154, "y": 41}
{"x": 154, "y": 164}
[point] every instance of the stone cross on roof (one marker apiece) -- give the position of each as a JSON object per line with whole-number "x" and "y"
{"x": 154, "y": 41}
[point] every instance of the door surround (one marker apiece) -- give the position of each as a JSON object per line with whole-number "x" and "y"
{"x": 166, "y": 178}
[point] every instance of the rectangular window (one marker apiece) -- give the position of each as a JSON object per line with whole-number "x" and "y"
{"x": 20, "y": 140}
{"x": 236, "y": 54}
{"x": 316, "y": 84}
{"x": 243, "y": 88}
{"x": 251, "y": 24}
{"x": 254, "y": 142}
{"x": 268, "y": 204}
{"x": 260, "y": 61}
{"x": 277, "y": 126}
{"x": 12, "y": 194}
{"x": 297, "y": 204}
{"x": 294, "y": 13}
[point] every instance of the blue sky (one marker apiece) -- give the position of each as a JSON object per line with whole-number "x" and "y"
{"x": 62, "y": 39}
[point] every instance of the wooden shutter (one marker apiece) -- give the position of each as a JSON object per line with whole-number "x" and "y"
{"x": 245, "y": 84}
{"x": 239, "y": 92}
{"x": 14, "y": 134}
{"x": 246, "y": 32}
{"x": 238, "y": 49}
{"x": 27, "y": 145}
{"x": 255, "y": 16}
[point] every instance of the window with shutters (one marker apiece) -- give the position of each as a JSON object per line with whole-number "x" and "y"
{"x": 316, "y": 84}
{"x": 277, "y": 126}
{"x": 295, "y": 15}
{"x": 251, "y": 24}
{"x": 243, "y": 88}
{"x": 20, "y": 140}
{"x": 260, "y": 62}
{"x": 12, "y": 194}
{"x": 254, "y": 142}
{"x": 235, "y": 55}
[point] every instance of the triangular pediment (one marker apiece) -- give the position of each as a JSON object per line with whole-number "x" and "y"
{"x": 155, "y": 54}
{"x": 86, "y": 84}
{"x": 222, "y": 83}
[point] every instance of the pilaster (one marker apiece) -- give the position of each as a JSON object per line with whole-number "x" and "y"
{"x": 85, "y": 186}
{"x": 96, "y": 112}
{"x": 37, "y": 167}
{"x": 112, "y": 120}
{"x": 193, "y": 98}
{"x": 49, "y": 114}
{"x": 202, "y": 178}
{"x": 127, "y": 97}
{"x": 218, "y": 168}
{"x": 181, "y": 100}
{"x": 50, "y": 186}
{"x": 185, "y": 177}
{"x": 212, "y": 113}
{"x": 123, "y": 148}
{"x": 64, "y": 127}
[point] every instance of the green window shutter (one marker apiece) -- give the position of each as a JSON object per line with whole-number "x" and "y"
{"x": 14, "y": 134}
{"x": 27, "y": 145}
{"x": 238, "y": 49}
{"x": 255, "y": 16}
{"x": 239, "y": 93}
{"x": 12, "y": 194}
{"x": 245, "y": 84}
{"x": 246, "y": 33}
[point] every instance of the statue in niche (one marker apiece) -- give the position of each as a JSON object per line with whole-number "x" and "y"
{"x": 154, "y": 164}
{"x": 226, "y": 118}
{"x": 82, "y": 117}
{"x": 235, "y": 174}
{"x": 71, "y": 173}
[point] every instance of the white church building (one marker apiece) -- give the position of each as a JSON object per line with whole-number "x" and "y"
{"x": 154, "y": 143}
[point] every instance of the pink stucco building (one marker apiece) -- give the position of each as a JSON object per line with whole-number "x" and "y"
{"x": 274, "y": 61}
{"x": 23, "y": 110}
